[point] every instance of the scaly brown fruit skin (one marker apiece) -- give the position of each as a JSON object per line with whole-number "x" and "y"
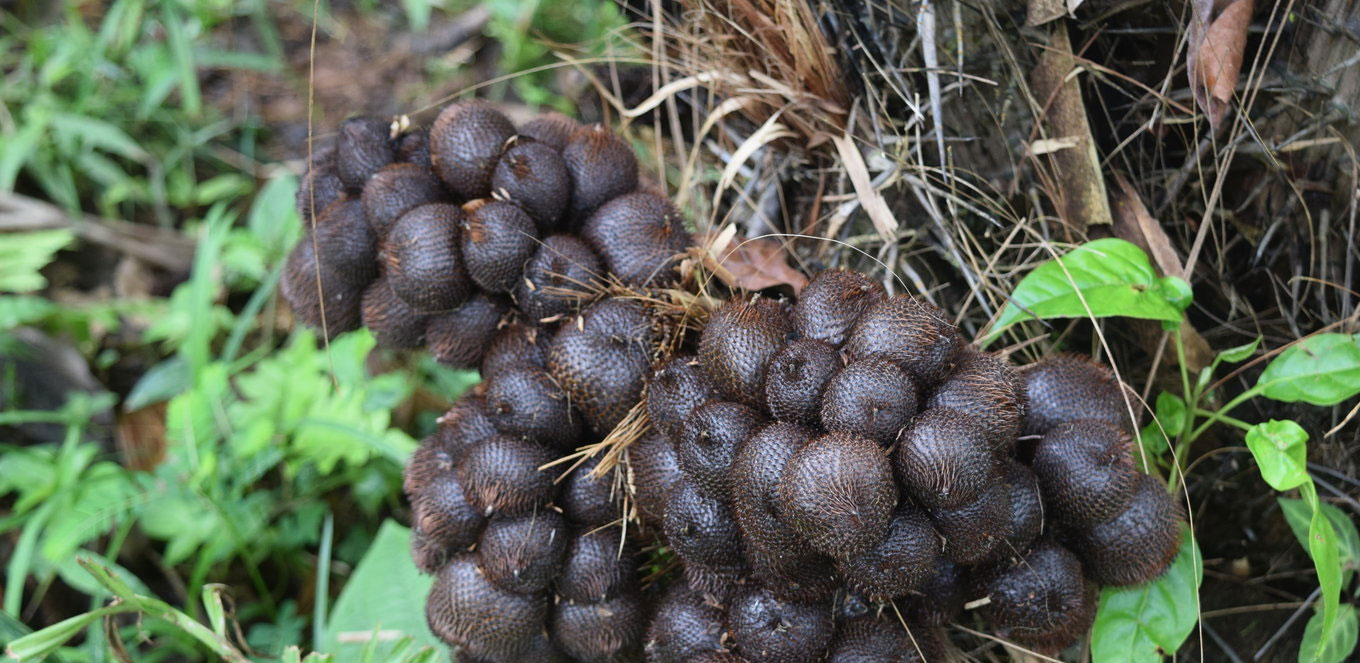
{"x": 552, "y": 129}
{"x": 1042, "y": 600}
{"x": 1027, "y": 507}
{"x": 675, "y": 388}
{"x": 320, "y": 187}
{"x": 497, "y": 240}
{"x": 976, "y": 532}
{"x": 393, "y": 322}
{"x": 1138, "y": 544}
{"x": 524, "y": 401}
{"x": 361, "y": 149}
{"x": 944, "y": 460}
{"x": 683, "y": 625}
{"x": 556, "y": 278}
{"x": 700, "y": 529}
{"x": 602, "y": 167}
{"x": 460, "y": 337}
{"x": 342, "y": 300}
{"x": 532, "y": 175}
{"x": 1085, "y": 470}
{"x": 397, "y": 189}
{"x": 838, "y": 492}
{"x": 708, "y": 442}
{"x": 802, "y": 576}
{"x": 600, "y": 359}
{"x": 467, "y": 610}
{"x": 1066, "y": 387}
{"x": 501, "y": 476}
{"x": 832, "y": 302}
{"x": 421, "y": 259}
{"x": 940, "y": 598}
{"x": 523, "y": 554}
{"x": 461, "y": 428}
{"x": 465, "y": 142}
{"x": 898, "y": 564}
{"x": 603, "y": 632}
{"x": 987, "y": 388}
{"x": 653, "y": 469}
{"x": 443, "y": 523}
{"x": 736, "y": 346}
{"x": 883, "y": 639}
{"x": 870, "y": 397}
{"x": 414, "y": 147}
{"x": 590, "y": 500}
{"x": 797, "y": 378}
{"x": 640, "y": 238}
{"x": 516, "y": 343}
{"x": 596, "y": 566}
{"x": 912, "y": 333}
{"x": 765, "y": 628}
{"x": 346, "y": 244}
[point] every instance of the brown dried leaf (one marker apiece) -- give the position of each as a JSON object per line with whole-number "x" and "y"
{"x": 753, "y": 264}
{"x": 1214, "y": 56}
{"x": 140, "y": 435}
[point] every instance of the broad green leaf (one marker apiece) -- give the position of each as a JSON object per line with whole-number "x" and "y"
{"x": 1104, "y": 278}
{"x": 273, "y": 218}
{"x": 18, "y": 310}
{"x": 1239, "y": 353}
{"x": 1299, "y": 516}
{"x": 98, "y": 134}
{"x": 418, "y": 13}
{"x": 1171, "y": 413}
{"x": 1139, "y": 623}
{"x": 1335, "y": 649}
{"x": 22, "y": 255}
{"x": 161, "y": 382}
{"x": 1321, "y": 370}
{"x": 1280, "y": 449}
{"x": 386, "y": 592}
{"x": 1325, "y": 550}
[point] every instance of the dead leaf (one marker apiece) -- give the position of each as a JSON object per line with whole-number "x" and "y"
{"x": 753, "y": 264}
{"x": 1040, "y": 12}
{"x": 870, "y": 199}
{"x": 1214, "y": 55}
{"x": 140, "y": 435}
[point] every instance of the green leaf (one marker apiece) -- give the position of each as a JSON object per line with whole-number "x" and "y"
{"x": 1335, "y": 649}
{"x": 1281, "y": 453}
{"x": 161, "y": 382}
{"x": 23, "y": 310}
{"x": 385, "y": 592}
{"x": 1104, "y": 278}
{"x": 1234, "y": 355}
{"x": 1299, "y": 516}
{"x": 1171, "y": 413}
{"x": 418, "y": 13}
{"x": 22, "y": 255}
{"x": 98, "y": 134}
{"x": 1321, "y": 370}
{"x": 1142, "y": 622}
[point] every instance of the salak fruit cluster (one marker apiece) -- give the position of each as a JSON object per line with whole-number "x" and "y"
{"x": 836, "y": 478}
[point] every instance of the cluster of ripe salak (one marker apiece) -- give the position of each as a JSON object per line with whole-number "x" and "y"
{"x": 837, "y": 477}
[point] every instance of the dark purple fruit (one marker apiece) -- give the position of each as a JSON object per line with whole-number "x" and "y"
{"x": 363, "y": 147}
{"x": 802, "y": 576}
{"x": 532, "y": 175}
{"x": 944, "y": 460}
{"x": 414, "y": 147}
{"x": 988, "y": 389}
{"x": 756, "y": 471}
{"x": 346, "y": 244}
{"x": 940, "y": 598}
{"x": 460, "y": 337}
{"x": 320, "y": 187}
{"x": 1066, "y": 387}
{"x": 838, "y": 492}
{"x": 1085, "y": 470}
{"x": 1027, "y": 507}
{"x": 677, "y": 386}
{"x": 523, "y": 554}
{"x": 832, "y": 302}
{"x": 737, "y": 344}
{"x": 912, "y": 333}
{"x": 701, "y": 530}
{"x": 497, "y": 240}
{"x": 422, "y": 261}
{"x": 501, "y": 476}
{"x": 640, "y": 237}
{"x": 397, "y": 189}
{"x": 515, "y": 344}
{"x": 903, "y": 560}
{"x": 393, "y": 322}
{"x": 551, "y": 129}
{"x": 602, "y": 167}
{"x": 683, "y": 625}
{"x": 319, "y": 295}
{"x": 767, "y": 629}
{"x": 561, "y": 272}
{"x": 976, "y": 532}
{"x": 524, "y": 401}
{"x": 884, "y": 639}
{"x": 1041, "y": 601}
{"x": 597, "y": 566}
{"x": 1138, "y": 544}
{"x": 600, "y": 359}
{"x": 708, "y": 442}
{"x": 870, "y": 397}
{"x": 465, "y": 142}
{"x": 654, "y": 469}
{"x": 466, "y": 610}
{"x": 590, "y": 500}
{"x": 442, "y": 522}
{"x": 603, "y": 632}
{"x": 796, "y": 379}
{"x": 464, "y": 425}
